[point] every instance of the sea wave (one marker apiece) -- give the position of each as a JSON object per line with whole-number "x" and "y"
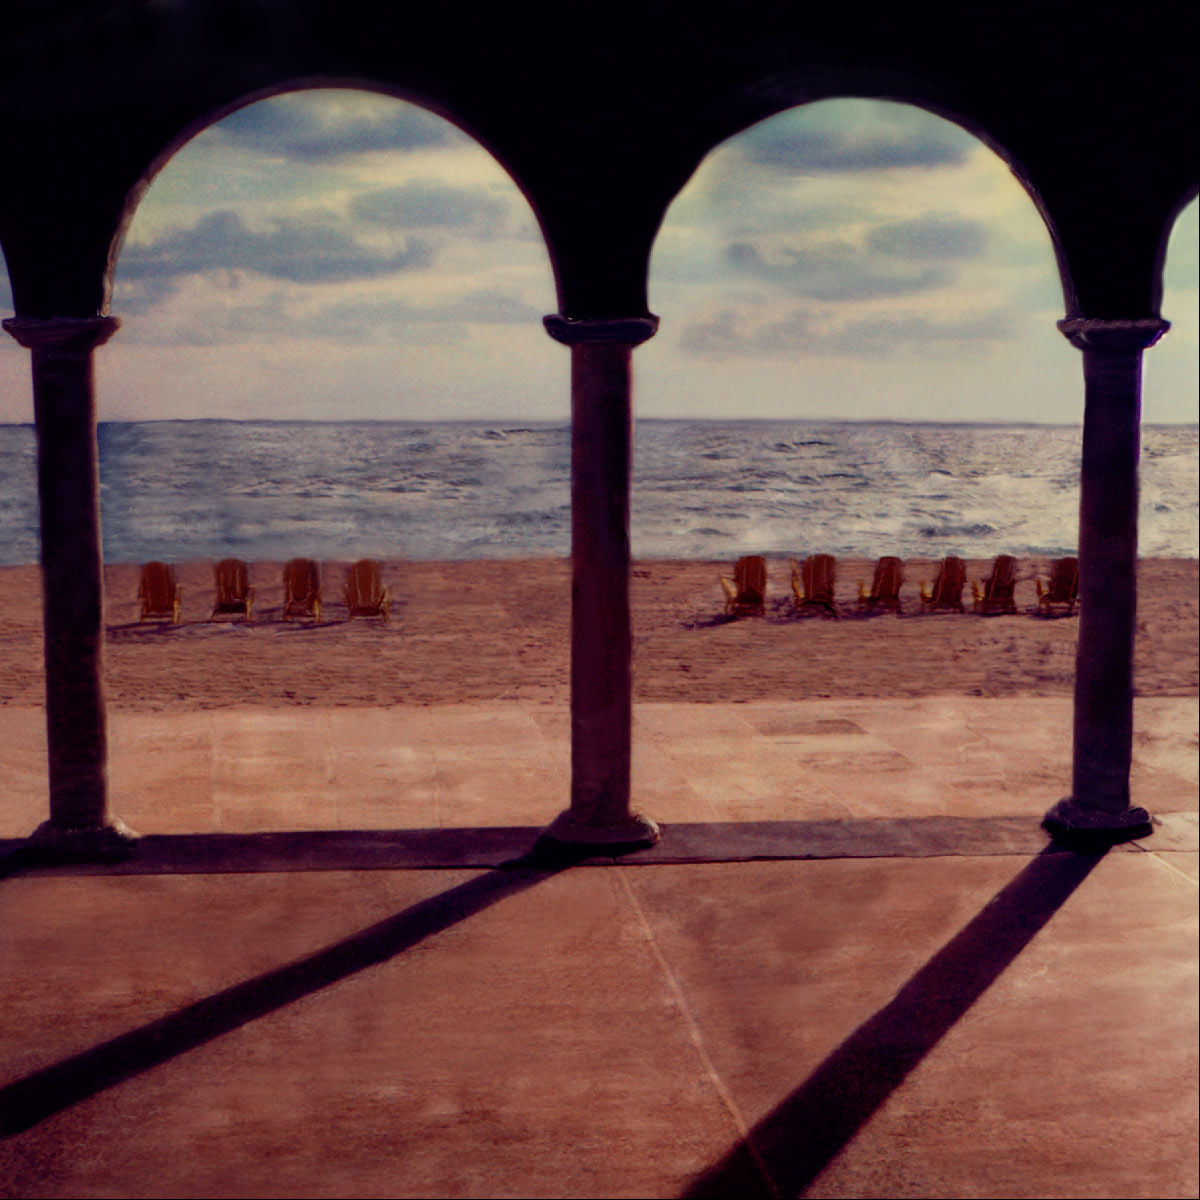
{"x": 270, "y": 490}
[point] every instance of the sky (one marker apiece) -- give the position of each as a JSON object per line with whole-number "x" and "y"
{"x": 332, "y": 255}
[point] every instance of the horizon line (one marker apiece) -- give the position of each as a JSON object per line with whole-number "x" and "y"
{"x": 564, "y": 422}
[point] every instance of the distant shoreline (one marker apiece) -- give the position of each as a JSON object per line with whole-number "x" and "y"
{"x": 564, "y": 422}
{"x": 399, "y": 561}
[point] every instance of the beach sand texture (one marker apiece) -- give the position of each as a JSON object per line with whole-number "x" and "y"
{"x": 499, "y": 630}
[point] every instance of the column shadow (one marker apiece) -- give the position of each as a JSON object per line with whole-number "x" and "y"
{"x": 789, "y": 1148}
{"x": 26, "y": 1102}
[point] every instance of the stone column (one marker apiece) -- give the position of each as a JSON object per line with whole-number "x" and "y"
{"x": 601, "y": 640}
{"x": 80, "y": 823}
{"x": 1098, "y": 807}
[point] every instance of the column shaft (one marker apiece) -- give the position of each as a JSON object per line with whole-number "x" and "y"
{"x": 601, "y": 628}
{"x": 601, "y": 637}
{"x": 1099, "y": 805}
{"x": 72, "y": 578}
{"x": 1108, "y": 505}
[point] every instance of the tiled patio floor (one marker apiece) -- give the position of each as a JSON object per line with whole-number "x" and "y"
{"x": 919, "y": 1004}
{"x": 244, "y": 769}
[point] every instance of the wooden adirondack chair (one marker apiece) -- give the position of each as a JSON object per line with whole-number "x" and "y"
{"x": 997, "y": 595}
{"x": 159, "y": 594}
{"x": 365, "y": 593}
{"x": 947, "y": 587}
{"x": 885, "y": 587}
{"x": 746, "y": 592}
{"x": 814, "y": 584}
{"x": 235, "y": 596}
{"x": 302, "y": 588}
{"x": 1063, "y": 591}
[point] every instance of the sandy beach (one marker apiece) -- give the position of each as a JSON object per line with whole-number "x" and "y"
{"x": 483, "y": 631}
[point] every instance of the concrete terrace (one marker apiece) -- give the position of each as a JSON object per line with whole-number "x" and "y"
{"x": 853, "y": 966}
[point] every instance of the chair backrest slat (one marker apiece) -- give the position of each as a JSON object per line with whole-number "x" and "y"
{"x": 1064, "y": 581}
{"x": 1003, "y": 578}
{"x": 819, "y": 573}
{"x": 301, "y": 580}
{"x": 889, "y": 575}
{"x": 750, "y": 578}
{"x": 233, "y": 581}
{"x": 364, "y": 584}
{"x": 157, "y": 586}
{"x": 951, "y": 578}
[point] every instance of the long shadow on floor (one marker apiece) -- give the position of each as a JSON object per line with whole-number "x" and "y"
{"x": 492, "y": 846}
{"x": 28, "y": 1101}
{"x": 790, "y": 1147}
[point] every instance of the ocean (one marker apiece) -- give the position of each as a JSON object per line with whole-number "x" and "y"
{"x": 264, "y": 490}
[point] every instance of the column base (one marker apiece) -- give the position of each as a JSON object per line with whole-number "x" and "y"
{"x": 635, "y": 830}
{"x": 1070, "y": 823}
{"x": 83, "y": 843}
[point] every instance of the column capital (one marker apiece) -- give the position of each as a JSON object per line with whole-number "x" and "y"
{"x": 1088, "y": 333}
{"x": 69, "y": 334}
{"x": 630, "y": 331}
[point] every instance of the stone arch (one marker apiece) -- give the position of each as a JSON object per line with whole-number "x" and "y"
{"x": 1171, "y": 226}
{"x": 16, "y": 403}
{"x": 604, "y": 130}
{"x": 1171, "y": 383}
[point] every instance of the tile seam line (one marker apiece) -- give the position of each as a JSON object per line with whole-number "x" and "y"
{"x": 697, "y": 1038}
{"x": 214, "y": 759}
{"x": 430, "y": 734}
{"x": 1157, "y": 855}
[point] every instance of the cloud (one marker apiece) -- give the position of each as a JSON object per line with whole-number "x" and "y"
{"x": 719, "y": 335}
{"x": 300, "y": 249}
{"x": 422, "y": 204}
{"x": 725, "y": 334}
{"x": 314, "y": 127}
{"x": 729, "y": 334}
{"x": 834, "y": 271}
{"x": 881, "y": 336}
{"x": 278, "y": 315}
{"x": 798, "y": 151}
{"x": 930, "y": 236}
{"x": 142, "y": 294}
{"x": 357, "y": 318}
